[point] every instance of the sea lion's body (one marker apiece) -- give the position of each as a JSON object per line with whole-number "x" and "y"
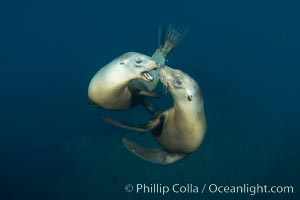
{"x": 184, "y": 125}
{"x": 180, "y": 129}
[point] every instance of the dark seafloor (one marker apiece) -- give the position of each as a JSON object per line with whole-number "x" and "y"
{"x": 53, "y": 145}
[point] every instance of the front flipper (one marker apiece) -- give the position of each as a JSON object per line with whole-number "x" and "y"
{"x": 142, "y": 128}
{"x": 153, "y": 155}
{"x": 152, "y": 94}
{"x": 140, "y": 87}
{"x": 150, "y": 107}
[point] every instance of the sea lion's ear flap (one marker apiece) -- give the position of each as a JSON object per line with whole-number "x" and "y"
{"x": 190, "y": 97}
{"x": 123, "y": 59}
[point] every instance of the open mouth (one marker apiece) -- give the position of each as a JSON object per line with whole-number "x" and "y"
{"x": 147, "y": 76}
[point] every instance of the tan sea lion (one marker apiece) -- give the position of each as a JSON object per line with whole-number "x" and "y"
{"x": 180, "y": 129}
{"x": 112, "y": 87}
{"x": 127, "y": 80}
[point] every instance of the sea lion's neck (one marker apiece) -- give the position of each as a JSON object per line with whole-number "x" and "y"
{"x": 117, "y": 86}
{"x": 185, "y": 109}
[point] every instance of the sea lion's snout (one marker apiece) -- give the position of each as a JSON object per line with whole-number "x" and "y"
{"x": 163, "y": 75}
{"x": 146, "y": 75}
{"x": 156, "y": 65}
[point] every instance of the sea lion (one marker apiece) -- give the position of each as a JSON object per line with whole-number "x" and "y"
{"x": 112, "y": 86}
{"x": 180, "y": 129}
{"x": 126, "y": 81}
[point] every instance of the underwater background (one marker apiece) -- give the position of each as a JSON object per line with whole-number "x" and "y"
{"x": 245, "y": 55}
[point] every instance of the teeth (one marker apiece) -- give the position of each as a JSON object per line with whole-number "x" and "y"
{"x": 148, "y": 76}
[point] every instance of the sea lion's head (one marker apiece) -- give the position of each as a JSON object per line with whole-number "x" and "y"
{"x": 138, "y": 65}
{"x": 180, "y": 84}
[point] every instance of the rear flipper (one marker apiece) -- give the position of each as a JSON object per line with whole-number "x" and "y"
{"x": 168, "y": 39}
{"x": 155, "y": 122}
{"x": 153, "y": 155}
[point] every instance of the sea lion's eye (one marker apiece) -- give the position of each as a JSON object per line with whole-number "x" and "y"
{"x": 138, "y": 61}
{"x": 177, "y": 82}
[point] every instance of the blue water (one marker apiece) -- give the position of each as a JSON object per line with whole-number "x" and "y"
{"x": 53, "y": 145}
